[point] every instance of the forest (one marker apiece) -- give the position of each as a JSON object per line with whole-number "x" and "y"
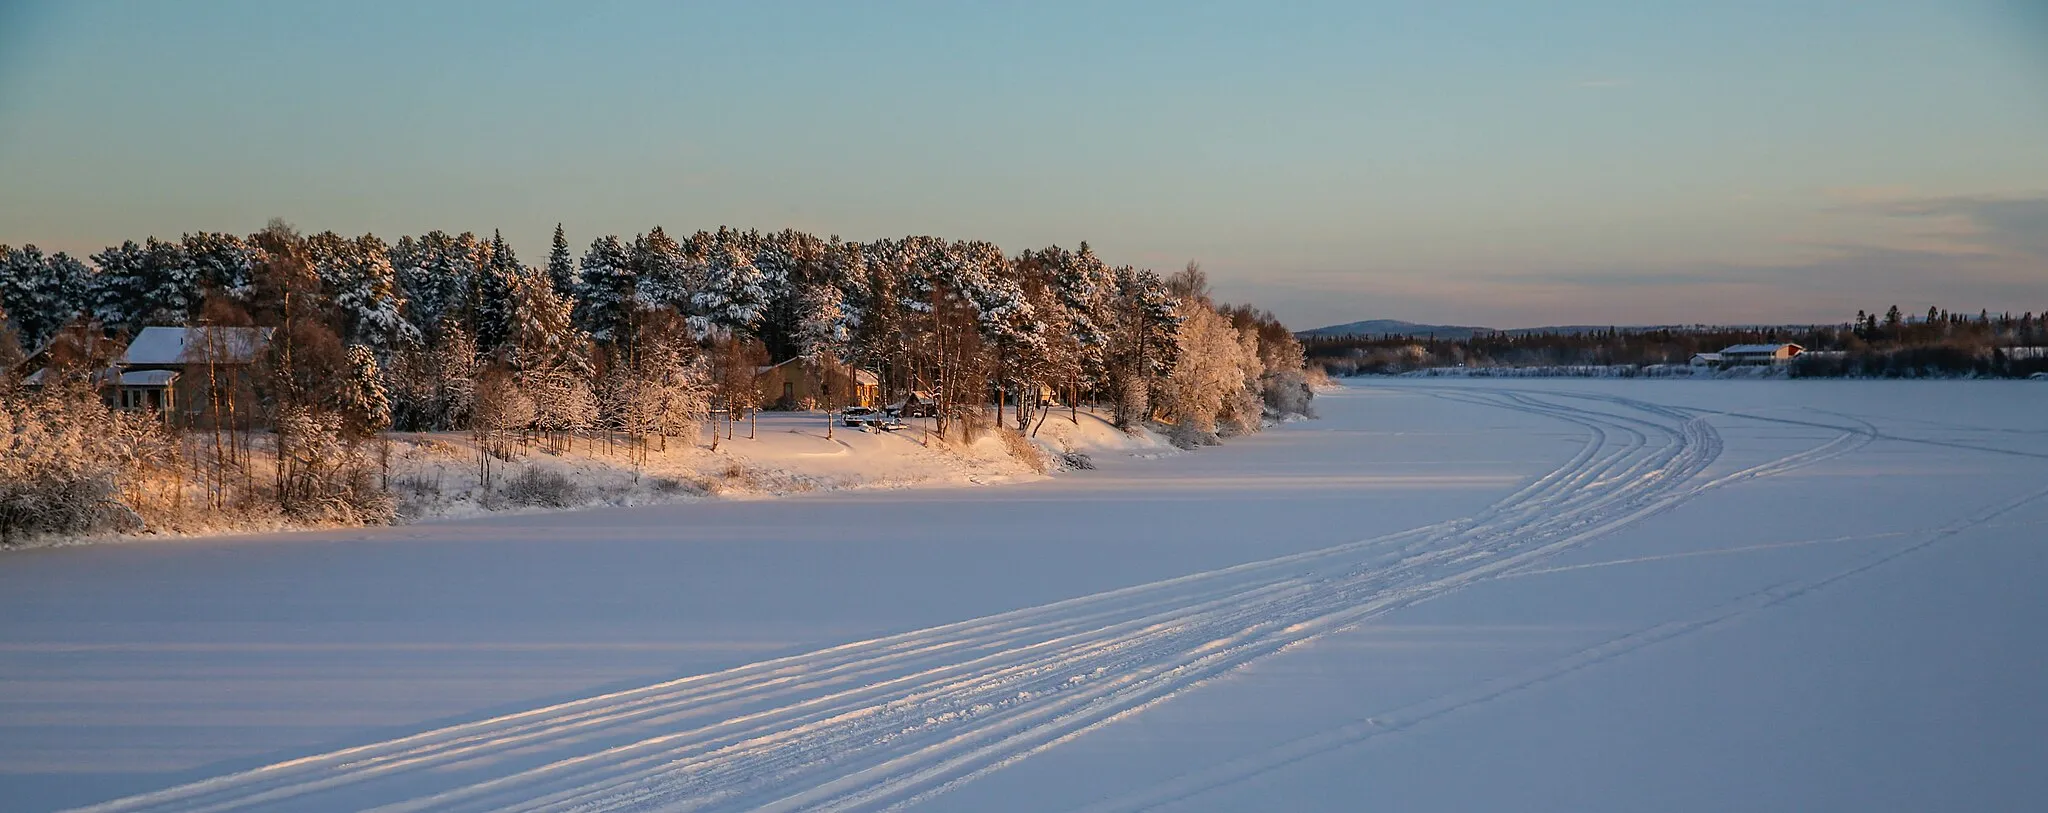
{"x": 1938, "y": 343}
{"x": 638, "y": 341}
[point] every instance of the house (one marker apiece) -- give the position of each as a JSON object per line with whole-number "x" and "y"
{"x": 72, "y": 356}
{"x": 1745, "y": 354}
{"x": 794, "y": 384}
{"x": 916, "y": 404}
{"x": 169, "y": 370}
{"x": 1705, "y": 360}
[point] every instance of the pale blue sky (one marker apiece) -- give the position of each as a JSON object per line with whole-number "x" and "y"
{"x": 1508, "y": 163}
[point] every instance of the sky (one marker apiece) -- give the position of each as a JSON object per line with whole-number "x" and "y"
{"x": 1504, "y": 164}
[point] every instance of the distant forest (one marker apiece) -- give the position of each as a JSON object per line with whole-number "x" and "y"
{"x": 1937, "y": 343}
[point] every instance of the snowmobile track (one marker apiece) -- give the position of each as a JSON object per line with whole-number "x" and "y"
{"x": 883, "y": 723}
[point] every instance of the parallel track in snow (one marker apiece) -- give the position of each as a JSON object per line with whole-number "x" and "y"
{"x": 883, "y": 723}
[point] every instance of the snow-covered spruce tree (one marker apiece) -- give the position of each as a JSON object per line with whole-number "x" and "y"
{"x": 942, "y": 289}
{"x": 454, "y": 368}
{"x": 561, "y": 266}
{"x": 605, "y": 293}
{"x": 149, "y": 284}
{"x": 550, "y": 356}
{"x": 357, "y": 278}
{"x": 734, "y": 297}
{"x": 120, "y": 290}
{"x": 360, "y": 400}
{"x": 790, "y": 262}
{"x": 1010, "y": 328}
{"x": 882, "y": 339}
{"x": 226, "y": 263}
{"x": 41, "y": 293}
{"x": 1058, "y": 366}
{"x": 663, "y": 275}
{"x": 491, "y": 299}
{"x": 542, "y": 333}
{"x": 1142, "y": 349}
{"x": 436, "y": 274}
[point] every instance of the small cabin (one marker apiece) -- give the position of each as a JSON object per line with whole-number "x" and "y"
{"x": 1705, "y": 360}
{"x": 794, "y": 384}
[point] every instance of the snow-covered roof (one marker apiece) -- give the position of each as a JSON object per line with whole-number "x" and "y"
{"x": 105, "y": 376}
{"x": 1754, "y": 349}
{"x": 866, "y": 378}
{"x": 1707, "y": 356}
{"x": 149, "y": 378}
{"x": 165, "y": 346}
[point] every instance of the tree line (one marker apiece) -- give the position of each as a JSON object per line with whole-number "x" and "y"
{"x": 1895, "y": 344}
{"x": 647, "y": 337}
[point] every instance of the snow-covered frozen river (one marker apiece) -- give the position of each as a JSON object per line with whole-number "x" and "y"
{"x": 1444, "y": 595}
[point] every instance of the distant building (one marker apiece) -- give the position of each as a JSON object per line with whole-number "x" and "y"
{"x": 171, "y": 370}
{"x": 1747, "y": 354}
{"x": 796, "y": 385}
{"x": 1706, "y": 360}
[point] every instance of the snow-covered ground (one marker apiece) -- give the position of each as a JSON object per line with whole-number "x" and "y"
{"x": 435, "y": 475}
{"x": 1455, "y": 595}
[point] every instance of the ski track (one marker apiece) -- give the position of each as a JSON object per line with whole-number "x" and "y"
{"x": 884, "y": 723}
{"x": 1192, "y": 785}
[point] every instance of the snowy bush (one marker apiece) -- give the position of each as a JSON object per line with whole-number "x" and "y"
{"x": 541, "y": 487}
{"x": 60, "y": 465}
{"x": 1287, "y": 392}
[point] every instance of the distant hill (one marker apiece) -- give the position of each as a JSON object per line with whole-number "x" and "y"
{"x": 1396, "y": 327}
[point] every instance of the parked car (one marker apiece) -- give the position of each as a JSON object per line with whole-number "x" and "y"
{"x": 860, "y": 416}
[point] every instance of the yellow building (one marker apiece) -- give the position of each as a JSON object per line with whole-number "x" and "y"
{"x": 796, "y": 385}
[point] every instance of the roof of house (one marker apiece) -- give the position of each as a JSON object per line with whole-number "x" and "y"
{"x": 149, "y": 378}
{"x": 1707, "y": 356}
{"x": 859, "y": 376}
{"x": 171, "y": 345}
{"x": 1748, "y": 349}
{"x": 105, "y": 376}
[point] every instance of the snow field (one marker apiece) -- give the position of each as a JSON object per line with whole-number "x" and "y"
{"x": 1064, "y": 703}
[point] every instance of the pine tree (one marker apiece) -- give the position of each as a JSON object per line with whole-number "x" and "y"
{"x": 358, "y": 278}
{"x": 663, "y": 274}
{"x": 41, "y": 294}
{"x": 734, "y": 298}
{"x": 543, "y": 335}
{"x": 225, "y": 263}
{"x": 493, "y": 294}
{"x": 120, "y": 294}
{"x": 176, "y": 289}
{"x": 605, "y": 295}
{"x": 436, "y": 274}
{"x": 361, "y": 399}
{"x": 561, "y": 266}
